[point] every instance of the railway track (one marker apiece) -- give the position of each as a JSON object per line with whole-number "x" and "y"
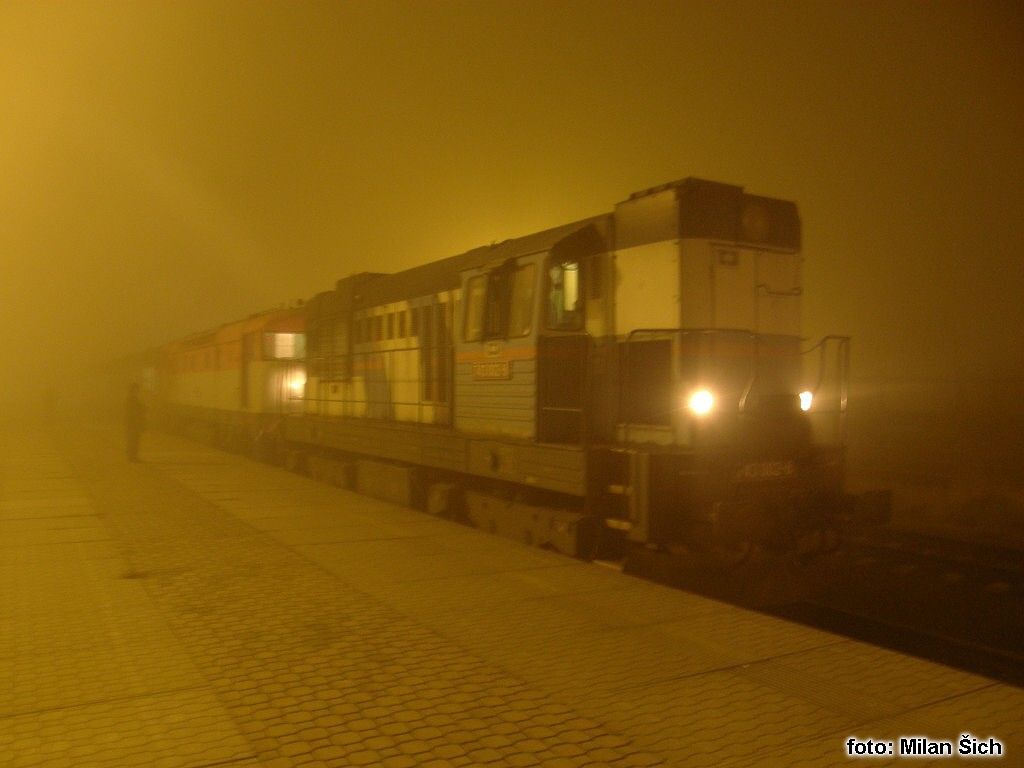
{"x": 961, "y": 652}
{"x": 987, "y": 562}
{"x": 953, "y": 602}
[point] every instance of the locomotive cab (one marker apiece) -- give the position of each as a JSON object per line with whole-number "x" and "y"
{"x": 727, "y": 431}
{"x": 522, "y": 342}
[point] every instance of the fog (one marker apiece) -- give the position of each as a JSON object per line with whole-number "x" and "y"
{"x": 165, "y": 167}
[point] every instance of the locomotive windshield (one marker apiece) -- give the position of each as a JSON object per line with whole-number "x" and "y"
{"x": 520, "y": 314}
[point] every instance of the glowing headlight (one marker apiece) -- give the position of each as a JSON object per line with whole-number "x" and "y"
{"x": 297, "y": 384}
{"x": 806, "y": 398}
{"x": 701, "y": 402}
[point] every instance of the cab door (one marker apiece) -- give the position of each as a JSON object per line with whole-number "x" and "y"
{"x": 563, "y": 354}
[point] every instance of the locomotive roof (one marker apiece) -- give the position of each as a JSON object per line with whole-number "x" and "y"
{"x": 370, "y": 289}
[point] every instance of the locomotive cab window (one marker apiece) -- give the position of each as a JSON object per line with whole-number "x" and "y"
{"x": 499, "y": 305}
{"x": 473, "y": 324}
{"x": 565, "y": 300}
{"x": 520, "y": 314}
{"x": 496, "y": 302}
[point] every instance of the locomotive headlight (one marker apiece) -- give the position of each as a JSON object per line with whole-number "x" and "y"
{"x": 701, "y": 402}
{"x": 806, "y": 398}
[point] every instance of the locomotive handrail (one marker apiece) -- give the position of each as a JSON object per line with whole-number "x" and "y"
{"x": 753, "y": 372}
{"x": 822, "y": 345}
{"x": 843, "y": 374}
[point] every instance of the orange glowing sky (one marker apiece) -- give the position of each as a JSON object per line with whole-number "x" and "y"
{"x": 166, "y": 166}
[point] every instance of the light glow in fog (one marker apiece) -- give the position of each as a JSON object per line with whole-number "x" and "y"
{"x": 701, "y": 402}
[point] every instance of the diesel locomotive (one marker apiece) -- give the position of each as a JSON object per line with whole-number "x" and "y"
{"x": 234, "y": 383}
{"x": 639, "y": 376}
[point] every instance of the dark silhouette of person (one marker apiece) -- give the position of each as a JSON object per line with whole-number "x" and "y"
{"x": 134, "y": 421}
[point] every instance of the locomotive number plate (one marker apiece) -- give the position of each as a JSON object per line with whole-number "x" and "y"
{"x": 766, "y": 470}
{"x": 492, "y": 369}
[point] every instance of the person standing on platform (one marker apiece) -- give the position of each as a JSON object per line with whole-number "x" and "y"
{"x": 134, "y": 421}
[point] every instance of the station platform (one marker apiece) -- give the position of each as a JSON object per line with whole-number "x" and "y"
{"x": 202, "y": 609}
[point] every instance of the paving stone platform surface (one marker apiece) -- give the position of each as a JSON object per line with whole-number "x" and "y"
{"x": 201, "y": 609}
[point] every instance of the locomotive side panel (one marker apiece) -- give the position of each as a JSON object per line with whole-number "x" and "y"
{"x": 647, "y": 286}
{"x": 778, "y": 292}
{"x": 390, "y": 363}
{"x": 496, "y": 350}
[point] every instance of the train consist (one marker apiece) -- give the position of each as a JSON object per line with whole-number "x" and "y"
{"x": 638, "y": 376}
